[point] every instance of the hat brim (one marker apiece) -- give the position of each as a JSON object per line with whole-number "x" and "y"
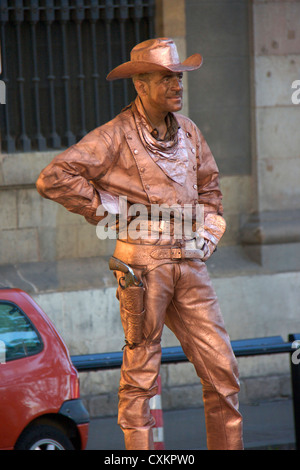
{"x": 128, "y": 69}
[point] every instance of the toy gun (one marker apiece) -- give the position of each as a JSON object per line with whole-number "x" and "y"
{"x": 130, "y": 278}
{"x": 131, "y": 299}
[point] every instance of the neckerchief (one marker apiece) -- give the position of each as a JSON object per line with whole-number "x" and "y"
{"x": 169, "y": 154}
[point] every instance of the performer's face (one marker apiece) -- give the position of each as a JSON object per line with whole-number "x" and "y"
{"x": 163, "y": 92}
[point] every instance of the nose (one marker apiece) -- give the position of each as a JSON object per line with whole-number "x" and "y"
{"x": 177, "y": 83}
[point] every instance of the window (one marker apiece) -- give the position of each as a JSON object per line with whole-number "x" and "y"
{"x": 55, "y": 58}
{"x": 18, "y": 336}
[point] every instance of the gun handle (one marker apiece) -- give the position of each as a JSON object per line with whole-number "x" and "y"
{"x": 116, "y": 265}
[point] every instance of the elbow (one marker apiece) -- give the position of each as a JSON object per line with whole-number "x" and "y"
{"x": 40, "y": 185}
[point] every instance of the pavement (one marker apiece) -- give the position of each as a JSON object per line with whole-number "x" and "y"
{"x": 268, "y": 425}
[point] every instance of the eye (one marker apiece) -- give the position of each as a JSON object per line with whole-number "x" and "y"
{"x": 168, "y": 78}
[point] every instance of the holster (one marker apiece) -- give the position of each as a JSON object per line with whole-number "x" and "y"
{"x": 132, "y": 314}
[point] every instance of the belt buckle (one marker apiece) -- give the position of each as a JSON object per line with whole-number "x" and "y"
{"x": 176, "y": 253}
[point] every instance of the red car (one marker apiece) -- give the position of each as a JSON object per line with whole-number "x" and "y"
{"x": 40, "y": 405}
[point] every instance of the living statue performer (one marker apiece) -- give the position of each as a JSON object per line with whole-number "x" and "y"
{"x": 151, "y": 156}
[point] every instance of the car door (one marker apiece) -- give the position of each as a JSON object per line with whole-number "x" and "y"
{"x": 20, "y": 345}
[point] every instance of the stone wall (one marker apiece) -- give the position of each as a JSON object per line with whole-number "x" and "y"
{"x": 34, "y": 229}
{"x": 274, "y": 227}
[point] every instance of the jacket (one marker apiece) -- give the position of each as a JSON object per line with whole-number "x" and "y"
{"x": 112, "y": 158}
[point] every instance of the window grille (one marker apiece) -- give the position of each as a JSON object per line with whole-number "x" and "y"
{"x": 55, "y": 58}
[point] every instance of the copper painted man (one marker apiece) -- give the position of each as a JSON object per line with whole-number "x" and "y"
{"x": 152, "y": 156}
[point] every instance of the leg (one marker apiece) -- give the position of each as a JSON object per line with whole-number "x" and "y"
{"x": 141, "y": 365}
{"x": 194, "y": 316}
{"x": 137, "y": 385}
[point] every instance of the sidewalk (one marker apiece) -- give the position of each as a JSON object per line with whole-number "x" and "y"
{"x": 267, "y": 425}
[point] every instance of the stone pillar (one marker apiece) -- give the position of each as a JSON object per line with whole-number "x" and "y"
{"x": 272, "y": 233}
{"x": 171, "y": 23}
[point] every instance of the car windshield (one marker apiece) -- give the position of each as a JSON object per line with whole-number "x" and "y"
{"x": 18, "y": 337}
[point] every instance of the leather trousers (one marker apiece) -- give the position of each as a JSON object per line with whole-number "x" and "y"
{"x": 180, "y": 295}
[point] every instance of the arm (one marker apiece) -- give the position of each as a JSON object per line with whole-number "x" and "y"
{"x": 209, "y": 192}
{"x": 69, "y": 178}
{"x": 210, "y": 195}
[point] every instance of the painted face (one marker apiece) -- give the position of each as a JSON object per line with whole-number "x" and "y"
{"x": 165, "y": 92}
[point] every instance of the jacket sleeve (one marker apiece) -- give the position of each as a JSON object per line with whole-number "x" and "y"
{"x": 209, "y": 192}
{"x": 69, "y": 178}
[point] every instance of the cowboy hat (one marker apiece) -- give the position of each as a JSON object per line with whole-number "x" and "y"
{"x": 154, "y": 55}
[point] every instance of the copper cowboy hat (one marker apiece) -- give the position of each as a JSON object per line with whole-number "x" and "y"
{"x": 154, "y": 55}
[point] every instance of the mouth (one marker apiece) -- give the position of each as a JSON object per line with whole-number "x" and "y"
{"x": 176, "y": 97}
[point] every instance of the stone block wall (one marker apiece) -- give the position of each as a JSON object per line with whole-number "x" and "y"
{"x": 274, "y": 226}
{"x": 34, "y": 229}
{"x": 276, "y": 40}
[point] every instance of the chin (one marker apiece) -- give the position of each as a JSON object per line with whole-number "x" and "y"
{"x": 176, "y": 107}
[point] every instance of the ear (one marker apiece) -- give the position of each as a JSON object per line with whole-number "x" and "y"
{"x": 141, "y": 87}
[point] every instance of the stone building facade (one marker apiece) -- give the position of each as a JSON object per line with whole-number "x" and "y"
{"x": 241, "y": 100}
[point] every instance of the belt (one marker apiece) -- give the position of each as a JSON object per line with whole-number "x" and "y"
{"x": 138, "y": 254}
{"x": 176, "y": 253}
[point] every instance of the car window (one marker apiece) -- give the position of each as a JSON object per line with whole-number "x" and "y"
{"x": 18, "y": 336}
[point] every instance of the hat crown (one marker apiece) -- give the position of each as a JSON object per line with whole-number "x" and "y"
{"x": 154, "y": 55}
{"x": 160, "y": 51}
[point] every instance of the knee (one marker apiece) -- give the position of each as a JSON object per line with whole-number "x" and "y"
{"x": 223, "y": 383}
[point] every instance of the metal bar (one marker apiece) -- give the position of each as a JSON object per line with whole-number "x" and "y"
{"x": 19, "y": 18}
{"x": 176, "y": 354}
{"x": 109, "y": 14}
{"x": 94, "y": 362}
{"x": 138, "y": 14}
{"x": 34, "y": 18}
{"x": 54, "y": 139}
{"x": 64, "y": 17}
{"x": 79, "y": 17}
{"x": 123, "y": 18}
{"x": 8, "y": 139}
{"x": 295, "y": 375}
{"x": 150, "y": 15}
{"x": 94, "y": 17}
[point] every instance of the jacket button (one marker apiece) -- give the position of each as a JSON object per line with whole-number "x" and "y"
{"x": 195, "y": 167}
{"x": 142, "y": 170}
{"x": 147, "y": 186}
{"x": 193, "y": 150}
{"x": 135, "y": 151}
{"x": 195, "y": 186}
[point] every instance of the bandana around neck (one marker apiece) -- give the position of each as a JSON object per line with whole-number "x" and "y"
{"x": 170, "y": 154}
